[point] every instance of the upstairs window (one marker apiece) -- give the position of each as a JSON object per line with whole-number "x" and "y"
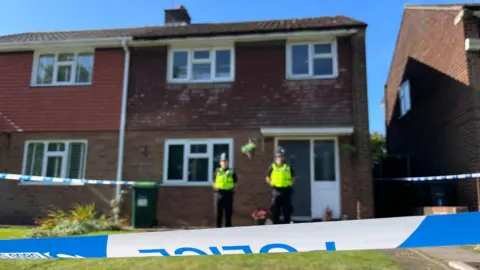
{"x": 311, "y": 60}
{"x": 404, "y": 97}
{"x": 64, "y": 68}
{"x": 201, "y": 65}
{"x": 64, "y": 159}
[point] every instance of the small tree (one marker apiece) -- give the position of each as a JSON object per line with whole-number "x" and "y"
{"x": 377, "y": 141}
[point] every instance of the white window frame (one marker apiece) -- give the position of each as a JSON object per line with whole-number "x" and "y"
{"x": 56, "y": 52}
{"x": 63, "y": 154}
{"x": 191, "y": 61}
{"x": 311, "y": 56}
{"x": 404, "y": 98}
{"x": 186, "y": 155}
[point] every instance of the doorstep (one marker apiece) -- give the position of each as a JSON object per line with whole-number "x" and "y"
{"x": 441, "y": 210}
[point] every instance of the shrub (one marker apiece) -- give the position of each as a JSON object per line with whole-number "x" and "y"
{"x": 78, "y": 221}
{"x": 83, "y": 213}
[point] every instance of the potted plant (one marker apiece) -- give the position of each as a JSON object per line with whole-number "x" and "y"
{"x": 328, "y": 214}
{"x": 348, "y": 148}
{"x": 259, "y": 216}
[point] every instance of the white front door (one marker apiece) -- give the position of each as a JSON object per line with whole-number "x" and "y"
{"x": 325, "y": 177}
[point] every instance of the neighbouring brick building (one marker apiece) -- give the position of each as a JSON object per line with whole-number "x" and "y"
{"x": 194, "y": 92}
{"x": 432, "y": 97}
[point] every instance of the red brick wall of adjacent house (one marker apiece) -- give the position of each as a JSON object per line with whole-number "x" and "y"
{"x": 440, "y": 134}
{"x": 20, "y": 204}
{"x": 194, "y": 206}
{"x": 75, "y": 108}
{"x": 472, "y": 30}
{"x": 259, "y": 96}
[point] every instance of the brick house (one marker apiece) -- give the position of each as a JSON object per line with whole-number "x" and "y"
{"x": 194, "y": 92}
{"x": 432, "y": 96}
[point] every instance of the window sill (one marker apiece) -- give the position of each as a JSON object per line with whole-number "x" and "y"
{"x": 60, "y": 85}
{"x": 299, "y": 78}
{"x": 200, "y": 82}
{"x": 186, "y": 184}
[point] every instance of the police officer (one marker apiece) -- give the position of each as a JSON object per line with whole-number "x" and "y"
{"x": 281, "y": 177}
{"x": 223, "y": 184}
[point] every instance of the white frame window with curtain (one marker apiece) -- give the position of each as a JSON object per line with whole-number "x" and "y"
{"x": 201, "y": 65}
{"x": 202, "y": 157}
{"x": 55, "y": 158}
{"x": 63, "y": 67}
{"x": 404, "y": 98}
{"x": 312, "y": 60}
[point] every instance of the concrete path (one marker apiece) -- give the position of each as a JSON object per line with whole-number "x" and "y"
{"x": 448, "y": 254}
{"x": 456, "y": 257}
{"x": 410, "y": 259}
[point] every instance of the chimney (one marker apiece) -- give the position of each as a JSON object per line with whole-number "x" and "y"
{"x": 178, "y": 16}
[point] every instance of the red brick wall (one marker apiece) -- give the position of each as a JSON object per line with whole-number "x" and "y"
{"x": 75, "y": 108}
{"x": 20, "y": 204}
{"x": 472, "y": 30}
{"x": 440, "y": 133}
{"x": 4, "y": 144}
{"x": 260, "y": 94}
{"x": 193, "y": 206}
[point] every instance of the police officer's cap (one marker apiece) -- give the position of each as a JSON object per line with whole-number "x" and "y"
{"x": 223, "y": 157}
{"x": 280, "y": 152}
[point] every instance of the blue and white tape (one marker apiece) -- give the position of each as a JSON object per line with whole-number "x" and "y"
{"x": 432, "y": 178}
{"x": 386, "y": 233}
{"x": 53, "y": 180}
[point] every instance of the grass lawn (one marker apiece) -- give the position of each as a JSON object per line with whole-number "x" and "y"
{"x": 312, "y": 260}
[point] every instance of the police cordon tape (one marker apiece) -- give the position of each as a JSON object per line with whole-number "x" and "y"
{"x": 431, "y": 178}
{"x": 368, "y": 234}
{"x": 69, "y": 181}
{"x": 73, "y": 181}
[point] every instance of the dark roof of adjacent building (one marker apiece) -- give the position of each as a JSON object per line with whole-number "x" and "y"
{"x": 194, "y": 30}
{"x": 456, "y": 5}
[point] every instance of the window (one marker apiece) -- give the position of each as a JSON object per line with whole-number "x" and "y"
{"x": 194, "y": 161}
{"x": 324, "y": 160}
{"x": 404, "y": 97}
{"x": 312, "y": 60}
{"x": 63, "y": 68}
{"x": 65, "y": 159}
{"x": 208, "y": 65}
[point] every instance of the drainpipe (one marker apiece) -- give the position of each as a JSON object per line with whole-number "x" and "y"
{"x": 123, "y": 115}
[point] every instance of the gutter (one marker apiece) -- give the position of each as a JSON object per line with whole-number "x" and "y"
{"x": 152, "y": 40}
{"x": 33, "y": 45}
{"x": 123, "y": 116}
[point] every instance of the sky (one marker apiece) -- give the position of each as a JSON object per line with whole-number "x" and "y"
{"x": 382, "y": 16}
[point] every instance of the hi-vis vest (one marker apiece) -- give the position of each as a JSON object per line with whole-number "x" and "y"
{"x": 224, "y": 179}
{"x": 281, "y": 176}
